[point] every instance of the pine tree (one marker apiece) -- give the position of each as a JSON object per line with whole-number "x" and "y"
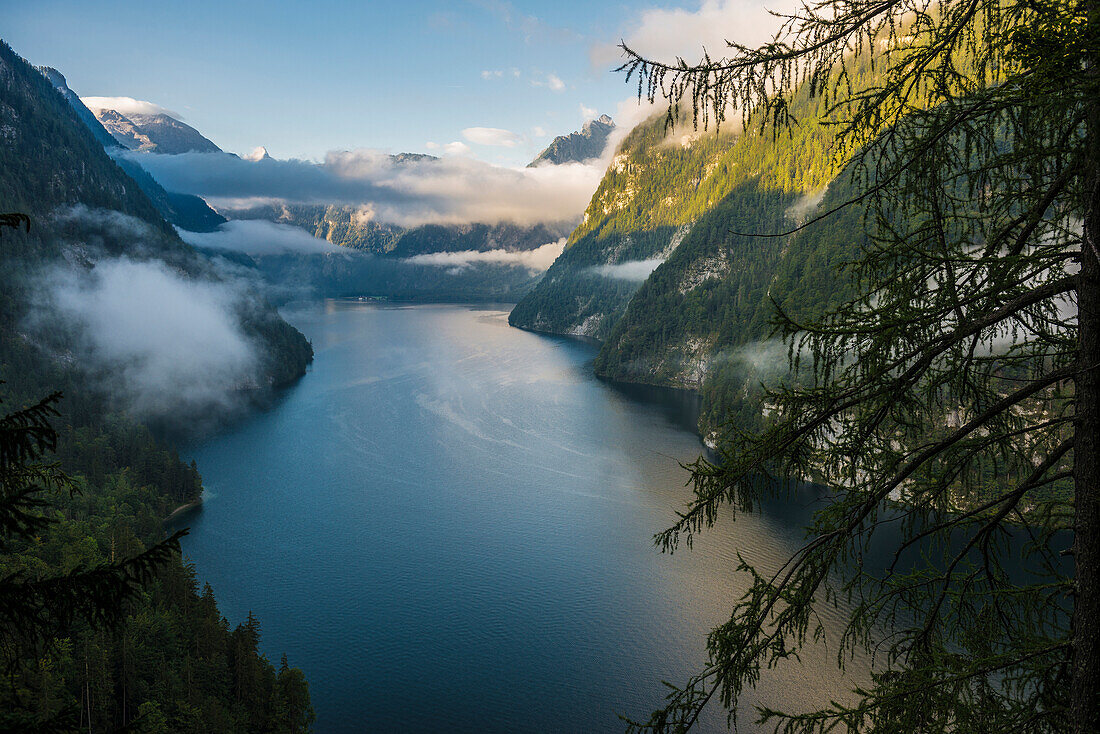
{"x": 37, "y": 610}
{"x": 293, "y": 709}
{"x": 956, "y": 396}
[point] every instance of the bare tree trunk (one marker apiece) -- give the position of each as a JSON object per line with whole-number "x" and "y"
{"x": 1085, "y": 686}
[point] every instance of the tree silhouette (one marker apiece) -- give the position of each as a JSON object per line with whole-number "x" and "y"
{"x": 956, "y": 397}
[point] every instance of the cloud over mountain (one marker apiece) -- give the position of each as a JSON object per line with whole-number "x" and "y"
{"x": 127, "y": 106}
{"x": 632, "y": 270}
{"x": 409, "y": 192}
{"x": 536, "y": 260}
{"x": 159, "y": 342}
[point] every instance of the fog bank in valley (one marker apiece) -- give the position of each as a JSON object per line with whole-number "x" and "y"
{"x": 158, "y": 341}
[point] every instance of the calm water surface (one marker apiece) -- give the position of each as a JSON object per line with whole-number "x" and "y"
{"x": 447, "y": 524}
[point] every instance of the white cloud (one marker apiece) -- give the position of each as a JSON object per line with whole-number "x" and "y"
{"x": 667, "y": 34}
{"x": 492, "y": 136}
{"x": 536, "y": 260}
{"x": 127, "y": 106}
{"x": 633, "y": 270}
{"x": 159, "y": 342}
{"x": 802, "y": 208}
{"x": 552, "y": 81}
{"x": 259, "y": 237}
{"x": 492, "y": 74}
{"x": 587, "y": 112}
{"x": 539, "y": 131}
{"x": 450, "y": 190}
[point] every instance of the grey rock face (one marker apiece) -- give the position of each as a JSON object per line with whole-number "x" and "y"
{"x": 585, "y": 144}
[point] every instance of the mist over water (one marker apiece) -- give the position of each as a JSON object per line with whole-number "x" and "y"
{"x": 448, "y": 525}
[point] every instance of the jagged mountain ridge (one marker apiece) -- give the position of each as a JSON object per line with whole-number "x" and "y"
{"x": 579, "y": 146}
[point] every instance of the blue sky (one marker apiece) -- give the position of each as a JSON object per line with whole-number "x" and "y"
{"x": 306, "y": 78}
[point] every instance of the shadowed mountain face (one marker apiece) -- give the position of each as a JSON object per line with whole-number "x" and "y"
{"x": 57, "y": 79}
{"x": 154, "y": 133}
{"x": 585, "y": 144}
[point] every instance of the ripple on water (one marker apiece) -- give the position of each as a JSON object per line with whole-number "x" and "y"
{"x": 447, "y": 524}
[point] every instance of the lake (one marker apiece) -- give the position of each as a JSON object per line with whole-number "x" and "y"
{"x": 447, "y": 524}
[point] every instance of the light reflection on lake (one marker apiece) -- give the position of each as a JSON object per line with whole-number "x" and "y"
{"x": 448, "y": 525}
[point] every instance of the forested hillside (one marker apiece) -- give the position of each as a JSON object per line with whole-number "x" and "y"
{"x": 660, "y": 269}
{"x": 174, "y": 663}
{"x": 704, "y": 320}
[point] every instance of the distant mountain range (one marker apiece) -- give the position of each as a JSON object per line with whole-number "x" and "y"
{"x": 342, "y": 225}
{"x": 583, "y": 145}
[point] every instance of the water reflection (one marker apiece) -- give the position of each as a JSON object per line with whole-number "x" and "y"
{"x": 448, "y": 525}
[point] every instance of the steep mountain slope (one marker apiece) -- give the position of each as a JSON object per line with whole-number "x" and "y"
{"x": 172, "y": 659}
{"x": 57, "y": 79}
{"x": 158, "y": 133}
{"x": 53, "y": 163}
{"x": 582, "y": 145}
{"x": 673, "y": 203}
{"x": 654, "y": 188}
{"x": 183, "y": 210}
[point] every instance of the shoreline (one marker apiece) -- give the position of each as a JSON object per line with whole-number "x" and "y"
{"x": 183, "y": 508}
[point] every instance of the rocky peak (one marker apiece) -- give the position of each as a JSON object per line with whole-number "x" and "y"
{"x": 582, "y": 145}
{"x": 259, "y": 153}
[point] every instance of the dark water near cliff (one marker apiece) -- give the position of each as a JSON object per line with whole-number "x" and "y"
{"x": 447, "y": 524}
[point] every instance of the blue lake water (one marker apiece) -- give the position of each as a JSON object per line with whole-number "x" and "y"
{"x": 447, "y": 524}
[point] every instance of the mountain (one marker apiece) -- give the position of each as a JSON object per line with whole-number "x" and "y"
{"x": 657, "y": 272}
{"x": 587, "y": 143}
{"x": 641, "y": 211}
{"x": 55, "y": 165}
{"x": 157, "y": 133}
{"x": 258, "y": 153}
{"x": 345, "y": 227}
{"x": 475, "y": 237}
{"x": 183, "y": 210}
{"x": 88, "y": 220}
